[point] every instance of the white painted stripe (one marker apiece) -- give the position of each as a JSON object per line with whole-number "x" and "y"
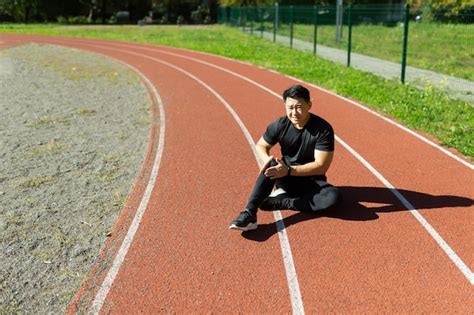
{"x": 446, "y": 248}
{"x": 291, "y": 277}
{"x": 441, "y": 242}
{"x": 434, "y": 234}
{"x": 117, "y": 263}
{"x": 295, "y": 293}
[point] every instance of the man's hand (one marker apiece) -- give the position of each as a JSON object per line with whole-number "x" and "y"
{"x": 278, "y": 171}
{"x": 267, "y": 164}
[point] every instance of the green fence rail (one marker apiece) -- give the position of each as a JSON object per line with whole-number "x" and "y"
{"x": 358, "y": 34}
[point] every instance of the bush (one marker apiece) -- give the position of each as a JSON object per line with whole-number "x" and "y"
{"x": 200, "y": 16}
{"x": 445, "y": 13}
{"x": 73, "y": 20}
{"x": 454, "y": 13}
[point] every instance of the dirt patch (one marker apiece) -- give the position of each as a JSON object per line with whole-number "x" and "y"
{"x": 73, "y": 133}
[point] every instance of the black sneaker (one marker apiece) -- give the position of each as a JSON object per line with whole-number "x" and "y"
{"x": 276, "y": 201}
{"x": 245, "y": 221}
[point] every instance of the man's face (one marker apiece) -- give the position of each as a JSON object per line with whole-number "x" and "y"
{"x": 297, "y": 110}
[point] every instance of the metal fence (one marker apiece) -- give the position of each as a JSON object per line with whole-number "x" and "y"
{"x": 388, "y": 40}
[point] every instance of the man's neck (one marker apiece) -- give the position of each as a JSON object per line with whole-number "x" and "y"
{"x": 302, "y": 124}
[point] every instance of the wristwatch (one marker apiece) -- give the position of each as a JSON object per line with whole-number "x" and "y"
{"x": 289, "y": 170}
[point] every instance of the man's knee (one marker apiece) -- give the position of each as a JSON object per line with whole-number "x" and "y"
{"x": 326, "y": 198}
{"x": 331, "y": 196}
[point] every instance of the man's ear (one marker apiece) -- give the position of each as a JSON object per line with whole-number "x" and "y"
{"x": 310, "y": 104}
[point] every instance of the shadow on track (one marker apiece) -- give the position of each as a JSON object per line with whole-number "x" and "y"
{"x": 352, "y": 208}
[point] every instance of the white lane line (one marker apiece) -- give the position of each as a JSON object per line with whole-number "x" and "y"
{"x": 295, "y": 293}
{"x": 124, "y": 247}
{"x": 428, "y": 227}
{"x": 433, "y": 233}
{"x": 446, "y": 248}
{"x": 427, "y": 141}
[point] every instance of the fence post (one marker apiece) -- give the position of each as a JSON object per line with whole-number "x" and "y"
{"x": 339, "y": 20}
{"x": 315, "y": 31}
{"x": 405, "y": 42}
{"x": 261, "y": 22}
{"x": 244, "y": 19}
{"x": 239, "y": 18}
{"x": 275, "y": 22}
{"x": 252, "y": 11}
{"x": 349, "y": 39}
{"x": 291, "y": 26}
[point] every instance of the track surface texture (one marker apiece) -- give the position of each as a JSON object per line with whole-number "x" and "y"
{"x": 401, "y": 241}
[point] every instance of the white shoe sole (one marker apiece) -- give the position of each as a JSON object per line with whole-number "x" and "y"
{"x": 277, "y": 192}
{"x": 249, "y": 227}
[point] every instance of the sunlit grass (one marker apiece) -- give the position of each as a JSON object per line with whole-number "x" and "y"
{"x": 444, "y": 48}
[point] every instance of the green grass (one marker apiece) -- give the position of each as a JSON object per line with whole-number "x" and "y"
{"x": 431, "y": 111}
{"x": 34, "y": 181}
{"x": 48, "y": 121}
{"x": 456, "y": 58}
{"x": 51, "y": 148}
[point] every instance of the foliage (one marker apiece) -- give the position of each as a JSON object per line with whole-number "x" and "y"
{"x": 201, "y": 15}
{"x": 239, "y": 3}
{"x": 19, "y": 10}
{"x": 74, "y": 20}
{"x": 165, "y": 11}
{"x": 445, "y": 11}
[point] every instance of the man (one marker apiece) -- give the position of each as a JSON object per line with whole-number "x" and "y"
{"x": 307, "y": 148}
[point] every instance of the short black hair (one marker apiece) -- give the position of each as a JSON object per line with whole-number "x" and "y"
{"x": 296, "y": 91}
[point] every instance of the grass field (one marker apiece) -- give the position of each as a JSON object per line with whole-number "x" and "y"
{"x": 430, "y": 111}
{"x": 456, "y": 58}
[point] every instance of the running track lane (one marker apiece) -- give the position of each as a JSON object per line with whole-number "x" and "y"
{"x": 388, "y": 235}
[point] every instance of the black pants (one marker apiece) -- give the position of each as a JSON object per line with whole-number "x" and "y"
{"x": 305, "y": 194}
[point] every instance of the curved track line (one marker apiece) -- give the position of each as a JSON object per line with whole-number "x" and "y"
{"x": 119, "y": 258}
{"x": 459, "y": 263}
{"x": 469, "y": 274}
{"x": 295, "y": 292}
{"x": 431, "y": 231}
{"x": 428, "y": 227}
{"x": 422, "y": 138}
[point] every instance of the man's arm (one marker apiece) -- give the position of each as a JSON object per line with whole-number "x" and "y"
{"x": 322, "y": 161}
{"x": 263, "y": 151}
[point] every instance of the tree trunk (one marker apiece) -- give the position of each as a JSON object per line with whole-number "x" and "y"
{"x": 104, "y": 9}
{"x": 27, "y": 13}
{"x": 89, "y": 17}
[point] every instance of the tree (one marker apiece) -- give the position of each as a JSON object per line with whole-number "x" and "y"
{"x": 92, "y": 6}
{"x": 19, "y": 10}
{"x": 239, "y": 3}
{"x": 196, "y": 11}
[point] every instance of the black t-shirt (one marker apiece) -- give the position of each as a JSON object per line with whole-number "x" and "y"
{"x": 298, "y": 145}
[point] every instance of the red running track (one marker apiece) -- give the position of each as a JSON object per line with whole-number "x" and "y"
{"x": 400, "y": 242}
